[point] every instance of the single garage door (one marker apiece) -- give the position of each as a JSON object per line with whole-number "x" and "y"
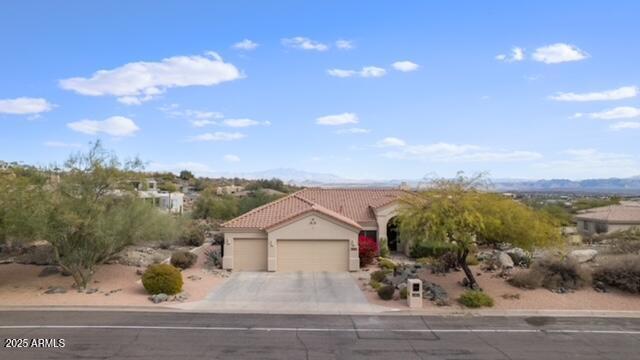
{"x": 250, "y": 255}
{"x": 313, "y": 255}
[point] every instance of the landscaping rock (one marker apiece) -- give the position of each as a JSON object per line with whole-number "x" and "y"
{"x": 55, "y": 290}
{"x": 519, "y": 256}
{"x": 48, "y": 271}
{"x": 486, "y": 255}
{"x": 435, "y": 293}
{"x": 600, "y": 287}
{"x": 158, "y": 298}
{"x": 194, "y": 277}
{"x": 141, "y": 256}
{"x": 181, "y": 297}
{"x": 7, "y": 261}
{"x": 505, "y": 260}
{"x": 583, "y": 256}
{"x": 91, "y": 290}
{"x": 37, "y": 253}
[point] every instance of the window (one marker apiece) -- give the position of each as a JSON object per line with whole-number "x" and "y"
{"x": 601, "y": 228}
{"x": 370, "y": 234}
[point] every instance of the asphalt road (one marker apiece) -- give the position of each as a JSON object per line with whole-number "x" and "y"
{"x": 161, "y": 335}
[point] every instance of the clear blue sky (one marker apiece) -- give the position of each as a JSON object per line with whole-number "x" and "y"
{"x": 358, "y": 89}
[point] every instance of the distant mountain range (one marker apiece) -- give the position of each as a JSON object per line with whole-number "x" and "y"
{"x": 306, "y": 178}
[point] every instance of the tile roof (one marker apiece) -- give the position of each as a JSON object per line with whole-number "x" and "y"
{"x": 351, "y": 206}
{"x": 627, "y": 214}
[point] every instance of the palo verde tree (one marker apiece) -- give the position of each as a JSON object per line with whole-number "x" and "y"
{"x": 88, "y": 210}
{"x": 459, "y": 212}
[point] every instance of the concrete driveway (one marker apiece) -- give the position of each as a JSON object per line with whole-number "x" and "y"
{"x": 299, "y": 292}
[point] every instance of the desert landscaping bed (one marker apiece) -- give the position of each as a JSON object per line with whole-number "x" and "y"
{"x": 112, "y": 285}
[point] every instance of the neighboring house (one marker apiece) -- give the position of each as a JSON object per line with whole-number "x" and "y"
{"x": 608, "y": 219}
{"x": 228, "y": 189}
{"x": 313, "y": 229}
{"x": 172, "y": 202}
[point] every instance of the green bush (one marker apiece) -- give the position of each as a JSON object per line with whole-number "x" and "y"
{"x": 386, "y": 264}
{"x": 379, "y": 275}
{"x": 475, "y": 299}
{"x": 553, "y": 273}
{"x": 431, "y": 249}
{"x": 162, "y": 278}
{"x": 623, "y": 274}
{"x": 375, "y": 284}
{"x": 403, "y": 293}
{"x": 193, "y": 235}
{"x": 386, "y": 292}
{"x": 384, "y": 248}
{"x": 183, "y": 259}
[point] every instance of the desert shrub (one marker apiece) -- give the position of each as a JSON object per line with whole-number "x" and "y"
{"x": 213, "y": 258}
{"x": 431, "y": 249}
{"x": 553, "y": 273}
{"x": 367, "y": 250}
{"x": 403, "y": 293}
{"x": 162, "y": 278}
{"x": 472, "y": 259}
{"x": 445, "y": 263}
{"x": 375, "y": 284}
{"x": 623, "y": 274}
{"x": 386, "y": 264}
{"x": 379, "y": 275}
{"x": 183, "y": 259}
{"x": 386, "y": 292}
{"x": 193, "y": 235}
{"x": 384, "y": 248}
{"x": 475, "y": 299}
{"x": 218, "y": 239}
{"x": 424, "y": 261}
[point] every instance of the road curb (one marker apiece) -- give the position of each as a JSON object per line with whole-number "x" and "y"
{"x": 437, "y": 313}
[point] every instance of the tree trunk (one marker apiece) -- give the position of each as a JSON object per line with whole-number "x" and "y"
{"x": 462, "y": 260}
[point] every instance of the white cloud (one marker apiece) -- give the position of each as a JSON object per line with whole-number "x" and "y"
{"x": 61, "y": 144}
{"x": 240, "y": 123}
{"x": 218, "y": 136}
{"x": 624, "y": 92}
{"x": 341, "y": 73}
{"x": 559, "y": 53}
{"x": 372, "y": 71}
{"x": 303, "y": 43}
{"x": 115, "y": 126}
{"x": 137, "y": 82}
{"x": 589, "y": 163}
{"x": 353, "y": 130}
{"x": 625, "y": 125}
{"x": 405, "y": 66}
{"x": 443, "y": 152}
{"x": 516, "y": 55}
{"x": 231, "y": 158}
{"x": 391, "y": 142}
{"x": 344, "y": 44}
{"x": 203, "y": 123}
{"x": 621, "y": 112}
{"x": 365, "y": 72}
{"x": 25, "y": 106}
{"x": 245, "y": 44}
{"x": 338, "y": 119}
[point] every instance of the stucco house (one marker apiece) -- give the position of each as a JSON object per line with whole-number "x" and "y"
{"x": 314, "y": 229}
{"x": 609, "y": 219}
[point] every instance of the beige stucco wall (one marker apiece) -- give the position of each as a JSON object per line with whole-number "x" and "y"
{"x": 313, "y": 226}
{"x": 383, "y": 216}
{"x": 229, "y": 236}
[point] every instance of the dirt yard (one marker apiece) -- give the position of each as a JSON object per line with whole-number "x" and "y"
{"x": 118, "y": 285}
{"x": 539, "y": 299}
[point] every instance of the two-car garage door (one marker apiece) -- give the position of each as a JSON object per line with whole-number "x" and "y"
{"x": 292, "y": 255}
{"x": 313, "y": 255}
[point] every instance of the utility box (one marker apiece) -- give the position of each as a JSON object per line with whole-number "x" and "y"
{"x": 414, "y": 293}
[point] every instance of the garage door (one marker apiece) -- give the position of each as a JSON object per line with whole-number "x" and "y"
{"x": 250, "y": 255}
{"x": 313, "y": 255}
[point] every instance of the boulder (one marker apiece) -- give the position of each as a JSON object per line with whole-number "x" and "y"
{"x": 505, "y": 260}
{"x": 48, "y": 271}
{"x": 435, "y": 293}
{"x": 158, "y": 298}
{"x": 583, "y": 256}
{"x": 55, "y": 290}
{"x": 519, "y": 256}
{"x": 140, "y": 256}
{"x": 37, "y": 253}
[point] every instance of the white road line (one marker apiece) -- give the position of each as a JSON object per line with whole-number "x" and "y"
{"x": 292, "y": 329}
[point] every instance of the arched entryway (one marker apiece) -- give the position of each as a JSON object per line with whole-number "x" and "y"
{"x": 392, "y": 234}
